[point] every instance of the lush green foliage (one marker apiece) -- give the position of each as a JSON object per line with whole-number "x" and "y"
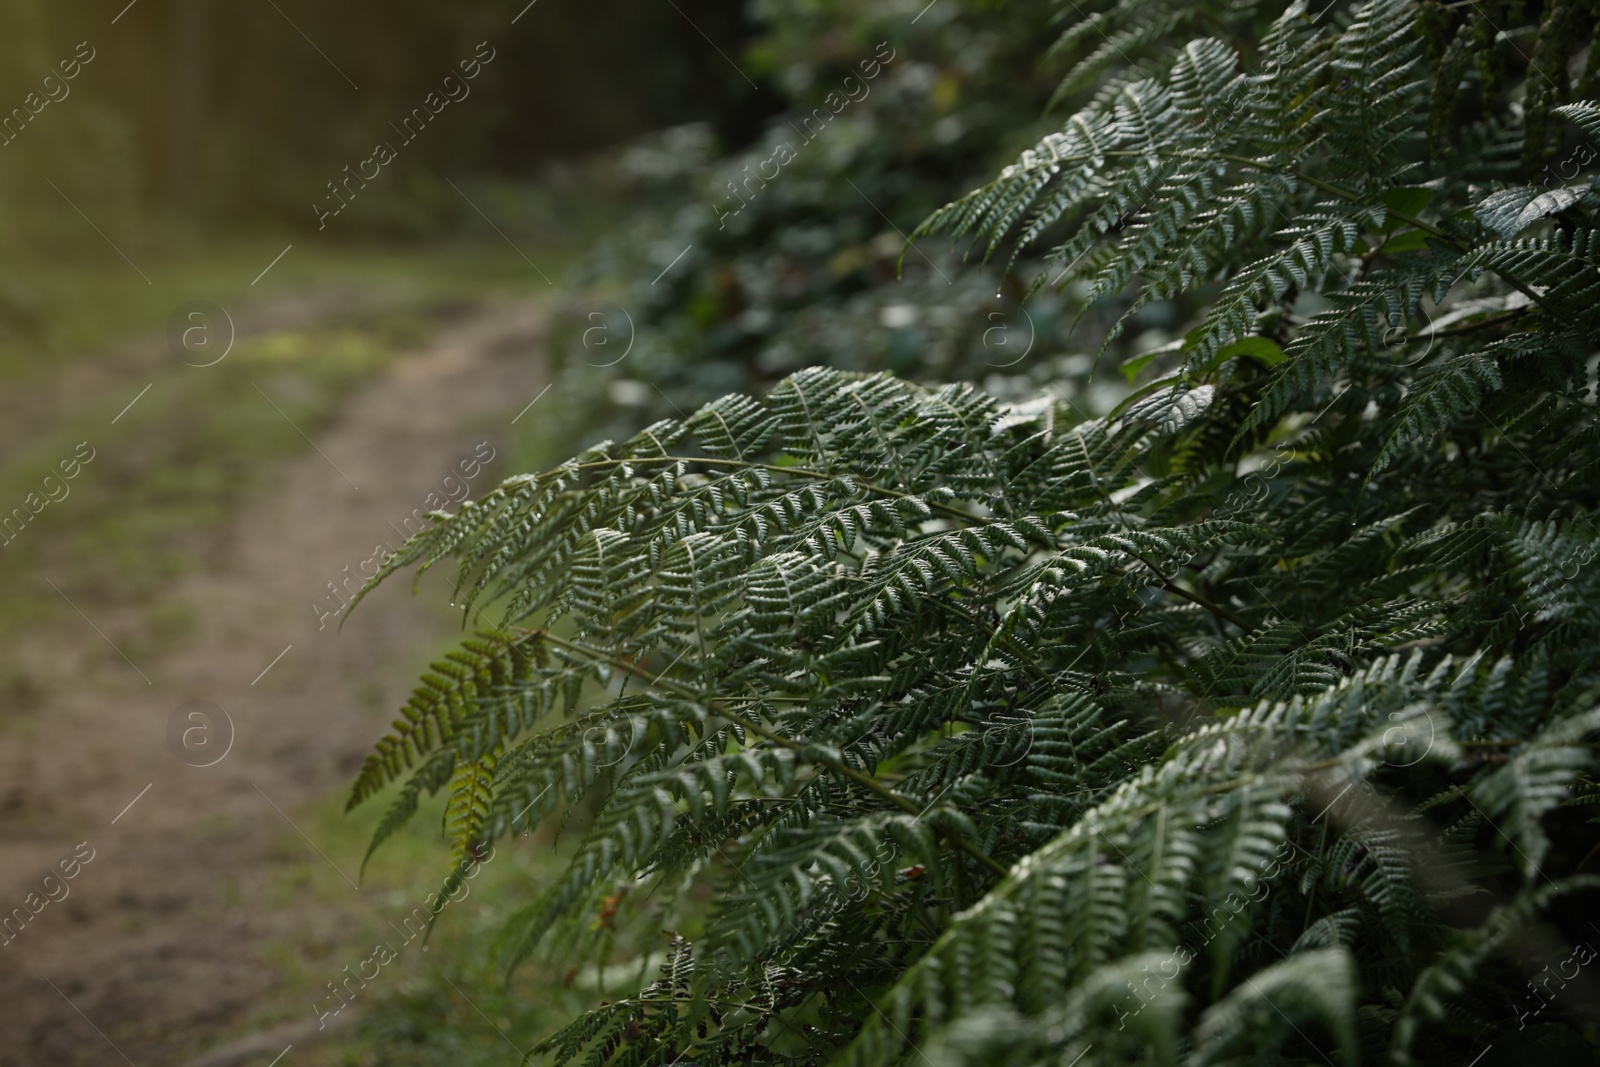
{"x": 1251, "y": 722}
{"x": 809, "y": 268}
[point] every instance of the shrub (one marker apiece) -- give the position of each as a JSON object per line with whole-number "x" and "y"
{"x": 1248, "y": 723}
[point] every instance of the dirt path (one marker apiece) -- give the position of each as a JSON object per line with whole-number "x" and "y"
{"x": 159, "y": 944}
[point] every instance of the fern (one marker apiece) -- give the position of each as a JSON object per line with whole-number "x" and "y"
{"x": 1235, "y": 725}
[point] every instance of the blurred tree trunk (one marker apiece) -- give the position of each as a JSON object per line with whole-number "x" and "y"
{"x": 187, "y": 154}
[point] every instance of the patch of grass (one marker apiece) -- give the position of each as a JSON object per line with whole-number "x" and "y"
{"x": 438, "y": 999}
{"x": 161, "y": 483}
{"x": 168, "y": 474}
{"x": 78, "y": 307}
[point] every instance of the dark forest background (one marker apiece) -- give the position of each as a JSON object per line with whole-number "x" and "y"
{"x": 215, "y": 112}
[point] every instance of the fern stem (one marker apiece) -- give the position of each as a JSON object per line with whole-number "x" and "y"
{"x": 1470, "y": 327}
{"x": 1194, "y": 598}
{"x": 1311, "y": 897}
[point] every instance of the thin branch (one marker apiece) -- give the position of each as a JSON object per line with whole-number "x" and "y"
{"x": 1194, "y": 598}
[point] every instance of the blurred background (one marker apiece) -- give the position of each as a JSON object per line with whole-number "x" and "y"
{"x": 279, "y": 277}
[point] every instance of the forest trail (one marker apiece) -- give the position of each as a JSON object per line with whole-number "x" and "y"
{"x": 165, "y": 940}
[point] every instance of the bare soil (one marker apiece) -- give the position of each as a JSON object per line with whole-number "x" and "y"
{"x": 165, "y": 944}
